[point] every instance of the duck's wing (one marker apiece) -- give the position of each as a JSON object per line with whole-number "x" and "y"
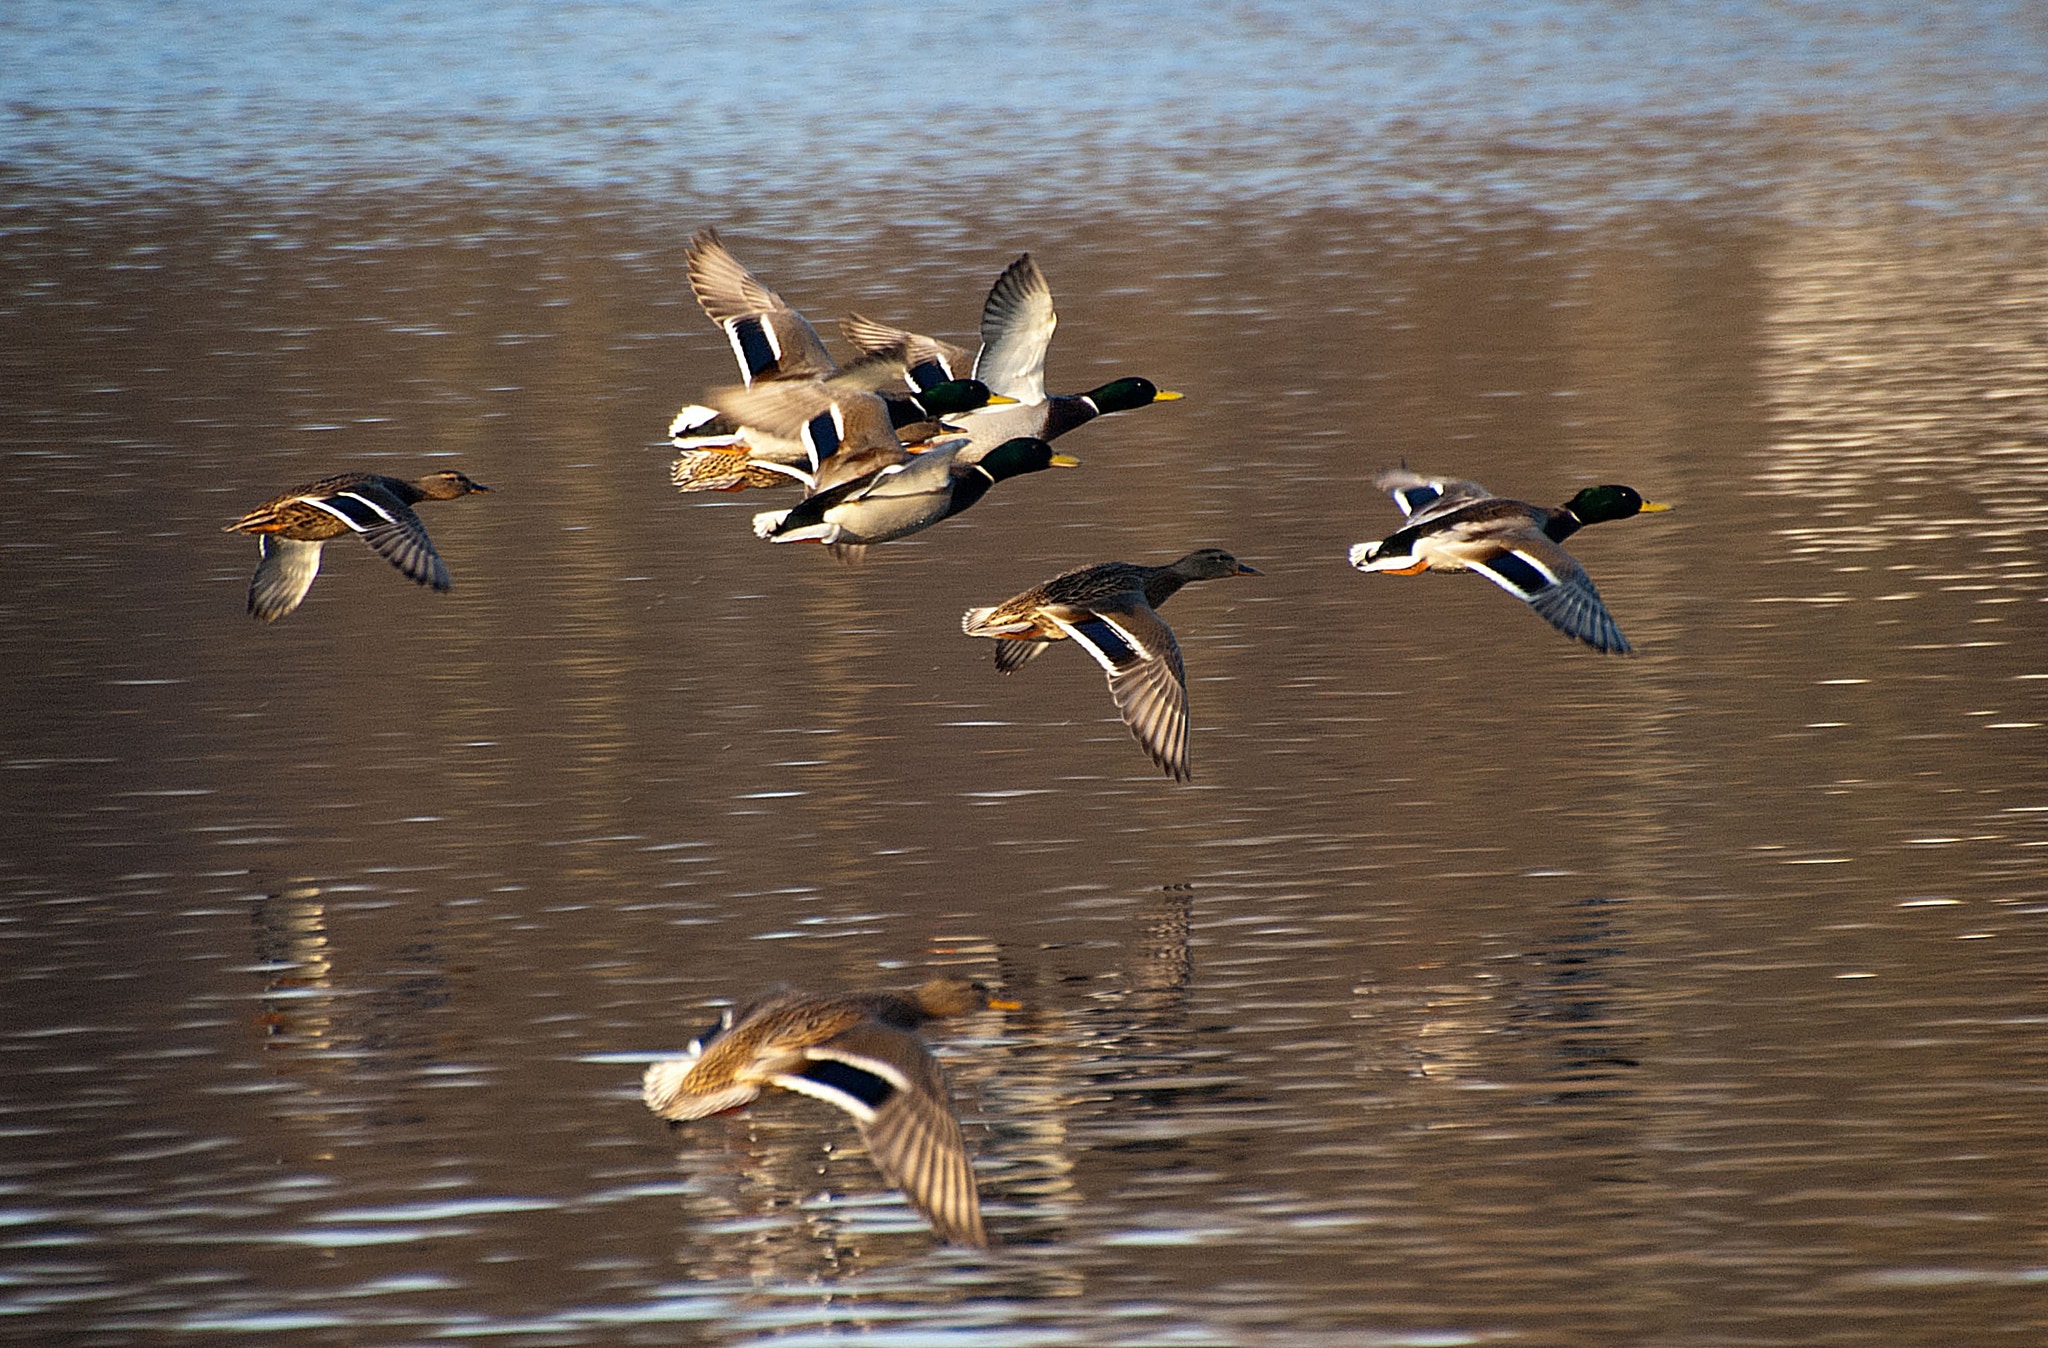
{"x": 929, "y": 361}
{"x": 1012, "y": 656}
{"x": 770, "y": 339}
{"x": 1550, "y": 580}
{"x": 1142, "y": 659}
{"x": 1423, "y": 499}
{"x": 891, "y": 1085}
{"x": 1017, "y": 323}
{"x": 284, "y": 573}
{"x": 826, "y": 420}
{"x": 388, "y": 525}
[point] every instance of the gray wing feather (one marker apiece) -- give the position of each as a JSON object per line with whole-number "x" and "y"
{"x": 1550, "y": 580}
{"x": 1017, "y": 323}
{"x": 913, "y": 1138}
{"x": 1142, "y": 659}
{"x": 404, "y": 543}
{"x": 284, "y": 572}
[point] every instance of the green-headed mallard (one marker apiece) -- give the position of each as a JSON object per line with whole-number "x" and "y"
{"x": 860, "y": 1052}
{"x": 1109, "y": 610}
{"x": 1017, "y": 323}
{"x": 1461, "y": 526}
{"x": 901, "y": 499}
{"x": 290, "y": 529}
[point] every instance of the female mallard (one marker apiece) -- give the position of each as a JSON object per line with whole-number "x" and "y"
{"x": 291, "y": 529}
{"x": 860, "y": 1052}
{"x": 1460, "y": 526}
{"x": 1109, "y": 609}
{"x": 1017, "y": 323}
{"x": 901, "y": 499}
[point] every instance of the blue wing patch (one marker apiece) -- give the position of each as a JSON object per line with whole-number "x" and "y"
{"x": 821, "y": 433}
{"x": 358, "y": 512}
{"x": 926, "y": 373}
{"x": 756, "y": 348}
{"x": 1105, "y": 638}
{"x": 1525, "y": 577}
{"x": 1412, "y": 499}
{"x": 870, "y": 1088}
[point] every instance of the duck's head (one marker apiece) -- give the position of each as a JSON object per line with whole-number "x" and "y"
{"x": 1596, "y": 505}
{"x": 1212, "y": 564}
{"x": 952, "y": 996}
{"x": 956, "y": 396}
{"x": 446, "y": 486}
{"x": 1122, "y": 395}
{"x": 1025, "y": 454}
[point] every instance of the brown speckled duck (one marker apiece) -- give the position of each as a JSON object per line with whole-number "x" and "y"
{"x": 858, "y": 1051}
{"x": 292, "y": 528}
{"x": 1109, "y": 610}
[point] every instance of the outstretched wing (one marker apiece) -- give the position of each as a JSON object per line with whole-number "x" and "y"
{"x": 1142, "y": 659}
{"x": 284, "y": 573}
{"x": 1551, "y": 581}
{"x": 891, "y": 1085}
{"x": 1423, "y": 499}
{"x": 930, "y": 360}
{"x": 388, "y": 525}
{"x": 1017, "y": 323}
{"x": 770, "y": 339}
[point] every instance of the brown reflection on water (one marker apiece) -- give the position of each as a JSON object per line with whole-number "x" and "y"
{"x": 1478, "y": 984}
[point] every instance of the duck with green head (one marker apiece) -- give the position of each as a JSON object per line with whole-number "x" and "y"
{"x": 904, "y": 498}
{"x": 724, "y": 445}
{"x": 1461, "y": 526}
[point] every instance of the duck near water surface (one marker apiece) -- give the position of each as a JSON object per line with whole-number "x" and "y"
{"x": 1109, "y": 610}
{"x": 291, "y": 530}
{"x": 857, "y": 1051}
{"x": 1461, "y": 526}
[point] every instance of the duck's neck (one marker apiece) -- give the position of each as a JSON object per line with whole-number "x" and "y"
{"x": 1065, "y": 411}
{"x": 1163, "y": 585}
{"x": 1562, "y": 524}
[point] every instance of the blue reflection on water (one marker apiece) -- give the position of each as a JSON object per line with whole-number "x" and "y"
{"x": 794, "y": 94}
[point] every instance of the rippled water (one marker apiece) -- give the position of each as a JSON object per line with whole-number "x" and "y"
{"x": 1478, "y": 989}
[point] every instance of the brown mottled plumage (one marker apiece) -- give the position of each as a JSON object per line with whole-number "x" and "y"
{"x": 860, "y": 1052}
{"x": 292, "y": 528}
{"x": 1108, "y": 608}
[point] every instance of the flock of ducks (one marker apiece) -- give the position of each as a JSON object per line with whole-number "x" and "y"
{"x": 876, "y": 462}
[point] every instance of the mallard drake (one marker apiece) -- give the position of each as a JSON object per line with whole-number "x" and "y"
{"x": 1461, "y": 526}
{"x": 292, "y": 528}
{"x": 1109, "y": 610}
{"x": 1017, "y": 323}
{"x": 901, "y": 499}
{"x": 860, "y": 1052}
{"x": 821, "y": 432}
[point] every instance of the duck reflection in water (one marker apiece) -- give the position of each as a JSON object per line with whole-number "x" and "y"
{"x": 860, "y": 1052}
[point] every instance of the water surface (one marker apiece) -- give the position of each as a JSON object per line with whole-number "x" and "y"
{"x": 1478, "y": 989}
